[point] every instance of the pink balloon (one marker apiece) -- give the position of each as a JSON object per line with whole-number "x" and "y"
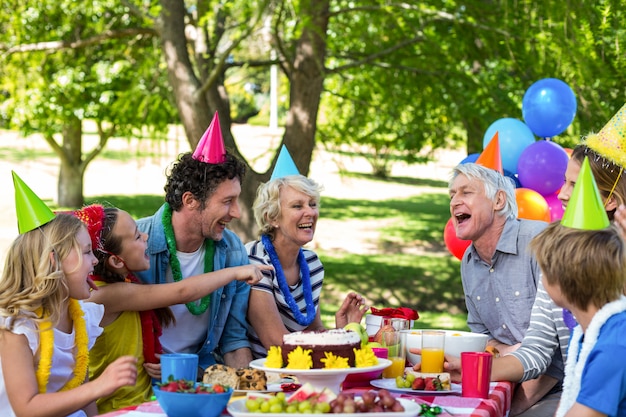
{"x": 555, "y": 206}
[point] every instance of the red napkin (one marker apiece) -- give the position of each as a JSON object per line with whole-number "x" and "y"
{"x": 400, "y": 312}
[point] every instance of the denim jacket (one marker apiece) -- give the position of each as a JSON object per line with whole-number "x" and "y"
{"x": 229, "y": 304}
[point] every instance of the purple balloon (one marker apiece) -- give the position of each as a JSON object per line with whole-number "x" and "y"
{"x": 541, "y": 167}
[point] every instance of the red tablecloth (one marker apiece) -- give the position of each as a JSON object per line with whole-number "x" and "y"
{"x": 497, "y": 405}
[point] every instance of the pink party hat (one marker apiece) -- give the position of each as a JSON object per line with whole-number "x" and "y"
{"x": 31, "y": 211}
{"x": 211, "y": 149}
{"x": 284, "y": 165}
{"x": 490, "y": 157}
{"x": 585, "y": 209}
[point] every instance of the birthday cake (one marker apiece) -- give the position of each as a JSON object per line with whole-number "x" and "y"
{"x": 322, "y": 344}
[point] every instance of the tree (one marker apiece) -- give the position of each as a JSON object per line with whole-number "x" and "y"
{"x": 66, "y": 66}
{"x": 393, "y": 78}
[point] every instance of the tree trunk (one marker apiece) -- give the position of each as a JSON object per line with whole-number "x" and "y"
{"x": 70, "y": 185}
{"x": 196, "y": 109}
{"x": 306, "y": 83}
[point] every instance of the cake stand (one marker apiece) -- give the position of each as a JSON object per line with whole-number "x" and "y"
{"x": 322, "y": 378}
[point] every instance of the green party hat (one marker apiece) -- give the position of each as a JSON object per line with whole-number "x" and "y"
{"x": 284, "y": 165}
{"x": 585, "y": 209}
{"x": 31, "y": 211}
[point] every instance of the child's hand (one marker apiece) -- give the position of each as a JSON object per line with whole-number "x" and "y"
{"x": 251, "y": 274}
{"x": 121, "y": 372}
{"x": 153, "y": 369}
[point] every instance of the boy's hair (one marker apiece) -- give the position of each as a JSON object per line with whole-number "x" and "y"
{"x": 199, "y": 178}
{"x": 267, "y": 203}
{"x": 33, "y": 275}
{"x": 493, "y": 182}
{"x": 589, "y": 266}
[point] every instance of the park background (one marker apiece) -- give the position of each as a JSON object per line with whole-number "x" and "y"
{"x": 382, "y": 238}
{"x": 367, "y": 94}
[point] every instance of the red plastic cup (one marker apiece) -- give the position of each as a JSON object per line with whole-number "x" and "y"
{"x": 476, "y": 374}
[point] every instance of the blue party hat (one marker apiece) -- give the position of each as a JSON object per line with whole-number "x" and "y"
{"x": 284, "y": 165}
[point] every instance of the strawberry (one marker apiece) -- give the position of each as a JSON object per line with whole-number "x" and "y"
{"x": 418, "y": 383}
{"x": 170, "y": 387}
{"x": 217, "y": 388}
{"x": 430, "y": 384}
{"x": 433, "y": 384}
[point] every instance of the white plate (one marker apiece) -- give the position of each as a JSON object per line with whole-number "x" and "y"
{"x": 323, "y": 378}
{"x": 270, "y": 388}
{"x": 411, "y": 409}
{"x": 382, "y": 364}
{"x": 390, "y": 384}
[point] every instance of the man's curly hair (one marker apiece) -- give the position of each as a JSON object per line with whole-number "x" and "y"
{"x": 199, "y": 178}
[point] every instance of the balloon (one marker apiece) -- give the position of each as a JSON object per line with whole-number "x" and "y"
{"x": 542, "y": 166}
{"x": 513, "y": 177}
{"x": 548, "y": 107}
{"x": 531, "y": 205}
{"x": 470, "y": 158}
{"x": 569, "y": 152}
{"x": 555, "y": 206}
{"x": 455, "y": 245}
{"x": 514, "y": 137}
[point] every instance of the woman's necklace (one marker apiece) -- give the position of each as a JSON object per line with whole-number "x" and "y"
{"x": 284, "y": 288}
{"x": 209, "y": 252}
{"x": 46, "y": 347}
{"x": 576, "y": 364}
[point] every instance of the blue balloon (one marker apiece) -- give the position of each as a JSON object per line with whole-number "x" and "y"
{"x": 548, "y": 107}
{"x": 470, "y": 158}
{"x": 512, "y": 176}
{"x": 513, "y": 136}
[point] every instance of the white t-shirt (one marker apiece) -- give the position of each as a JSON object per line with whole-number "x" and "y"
{"x": 190, "y": 331}
{"x": 63, "y": 362}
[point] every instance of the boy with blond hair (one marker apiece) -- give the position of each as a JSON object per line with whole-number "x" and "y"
{"x": 583, "y": 264}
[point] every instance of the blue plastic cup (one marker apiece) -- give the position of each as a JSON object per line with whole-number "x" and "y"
{"x": 179, "y": 366}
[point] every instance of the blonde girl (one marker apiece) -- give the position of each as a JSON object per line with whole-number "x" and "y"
{"x": 46, "y": 331}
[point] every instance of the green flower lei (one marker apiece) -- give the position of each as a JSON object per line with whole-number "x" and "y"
{"x": 209, "y": 253}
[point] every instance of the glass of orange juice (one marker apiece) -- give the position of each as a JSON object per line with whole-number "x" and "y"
{"x": 433, "y": 342}
{"x": 395, "y": 342}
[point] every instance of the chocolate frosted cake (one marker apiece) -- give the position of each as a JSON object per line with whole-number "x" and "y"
{"x": 337, "y": 341}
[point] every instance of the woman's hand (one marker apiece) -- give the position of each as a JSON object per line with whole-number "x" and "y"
{"x": 351, "y": 311}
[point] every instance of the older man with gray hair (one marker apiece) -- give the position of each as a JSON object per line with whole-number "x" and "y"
{"x": 499, "y": 273}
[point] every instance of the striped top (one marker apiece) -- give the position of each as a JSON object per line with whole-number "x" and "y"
{"x": 258, "y": 255}
{"x": 544, "y": 348}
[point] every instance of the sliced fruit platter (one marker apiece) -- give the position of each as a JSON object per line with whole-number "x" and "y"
{"x": 308, "y": 400}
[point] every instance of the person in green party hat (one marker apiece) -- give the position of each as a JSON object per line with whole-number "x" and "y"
{"x": 286, "y": 210}
{"x": 46, "y": 330}
{"x": 607, "y": 158}
{"x": 583, "y": 264}
{"x": 188, "y": 236}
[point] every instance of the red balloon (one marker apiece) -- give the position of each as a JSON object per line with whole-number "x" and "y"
{"x": 531, "y": 205}
{"x": 455, "y": 245}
